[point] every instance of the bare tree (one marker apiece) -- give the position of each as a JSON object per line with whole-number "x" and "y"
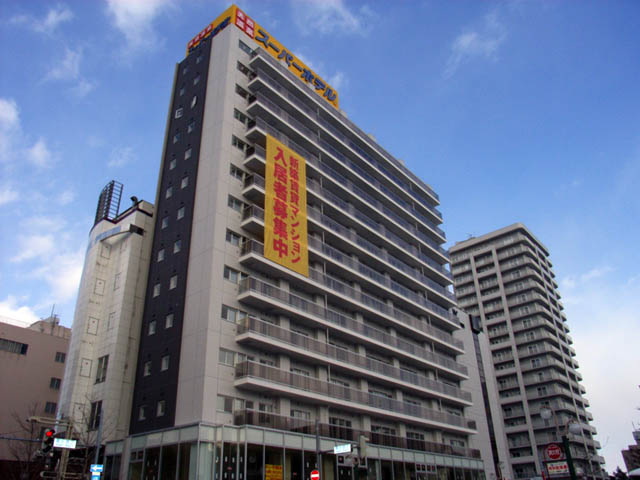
{"x": 24, "y": 448}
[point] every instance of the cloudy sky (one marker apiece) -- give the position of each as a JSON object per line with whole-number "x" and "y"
{"x": 513, "y": 111}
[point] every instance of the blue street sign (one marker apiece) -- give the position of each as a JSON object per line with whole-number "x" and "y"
{"x": 96, "y": 468}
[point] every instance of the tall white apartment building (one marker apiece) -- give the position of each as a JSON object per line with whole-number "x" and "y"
{"x": 506, "y": 279}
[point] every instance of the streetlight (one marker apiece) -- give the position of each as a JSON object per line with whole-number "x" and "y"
{"x": 569, "y": 427}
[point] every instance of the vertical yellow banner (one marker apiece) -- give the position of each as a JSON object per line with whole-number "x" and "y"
{"x": 285, "y": 208}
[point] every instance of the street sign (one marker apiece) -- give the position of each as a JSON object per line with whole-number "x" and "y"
{"x": 344, "y": 448}
{"x": 64, "y": 443}
{"x": 553, "y": 451}
{"x": 95, "y": 476}
{"x": 315, "y": 475}
{"x": 557, "y": 468}
{"x": 96, "y": 468}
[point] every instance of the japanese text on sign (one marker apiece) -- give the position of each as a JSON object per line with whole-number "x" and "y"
{"x": 285, "y": 205}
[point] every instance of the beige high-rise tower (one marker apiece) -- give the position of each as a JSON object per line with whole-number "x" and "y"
{"x": 505, "y": 278}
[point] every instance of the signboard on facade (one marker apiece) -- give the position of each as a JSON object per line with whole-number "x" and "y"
{"x": 233, "y": 15}
{"x": 553, "y": 451}
{"x": 557, "y": 468}
{"x": 272, "y": 472}
{"x": 285, "y": 208}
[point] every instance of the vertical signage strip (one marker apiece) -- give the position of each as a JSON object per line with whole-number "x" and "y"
{"x": 285, "y": 208}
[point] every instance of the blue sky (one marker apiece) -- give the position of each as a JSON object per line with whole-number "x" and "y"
{"x": 513, "y": 111}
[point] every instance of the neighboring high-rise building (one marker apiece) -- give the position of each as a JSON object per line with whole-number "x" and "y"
{"x": 297, "y": 296}
{"x": 505, "y": 278}
{"x": 32, "y": 363}
{"x": 631, "y": 455}
{"x": 103, "y": 353}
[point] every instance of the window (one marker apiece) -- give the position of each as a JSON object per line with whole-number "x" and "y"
{"x": 172, "y": 164}
{"x": 239, "y": 144}
{"x": 185, "y": 70}
{"x": 226, "y": 357}
{"x": 224, "y": 404}
{"x": 54, "y": 383}
{"x": 116, "y": 281}
{"x": 173, "y": 282}
{"x": 242, "y": 92}
{"x": 177, "y": 246}
{"x": 168, "y": 321}
{"x": 142, "y": 412}
{"x": 152, "y": 328}
{"x": 160, "y": 409}
{"x": 13, "y": 347}
{"x": 535, "y": 362}
{"x": 232, "y": 315}
{"x": 234, "y": 276}
{"x": 196, "y": 80}
{"x": 176, "y": 137}
{"x": 187, "y": 154}
{"x": 236, "y": 173}
{"x": 164, "y": 365}
{"x": 165, "y": 223}
{"x": 194, "y": 101}
{"x": 147, "y": 369}
{"x": 301, "y": 414}
{"x": 191, "y": 127}
{"x": 161, "y": 254}
{"x": 198, "y": 58}
{"x": 156, "y": 290}
{"x": 181, "y": 91}
{"x": 168, "y": 192}
{"x": 244, "y": 47}
{"x": 101, "y": 373}
{"x": 233, "y": 238}
{"x": 60, "y": 357}
{"x": 179, "y": 112}
{"x": 237, "y": 205}
{"x": 50, "y": 407}
{"x": 180, "y": 213}
{"x": 241, "y": 117}
{"x": 95, "y": 415}
{"x": 184, "y": 183}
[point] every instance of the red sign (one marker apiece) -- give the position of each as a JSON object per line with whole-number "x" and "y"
{"x": 315, "y": 475}
{"x": 554, "y": 451}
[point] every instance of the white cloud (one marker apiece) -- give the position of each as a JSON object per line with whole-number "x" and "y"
{"x": 55, "y": 17}
{"x": 62, "y": 273}
{"x": 39, "y": 154}
{"x": 9, "y": 127}
{"x": 121, "y": 157}
{"x": 68, "y": 68}
{"x": 21, "y": 316}
{"x": 572, "y": 281}
{"x": 83, "y": 88}
{"x": 480, "y": 43}
{"x": 66, "y": 197}
{"x": 7, "y": 194}
{"x": 135, "y": 19}
{"x": 337, "y": 80}
{"x": 34, "y": 246}
{"x": 331, "y": 17}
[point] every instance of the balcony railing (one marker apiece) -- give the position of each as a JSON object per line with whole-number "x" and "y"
{"x": 338, "y": 392}
{"x": 308, "y": 427}
{"x": 253, "y": 246}
{"x": 264, "y": 289}
{"x": 254, "y": 325}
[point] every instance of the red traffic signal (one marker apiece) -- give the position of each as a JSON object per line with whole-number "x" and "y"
{"x": 49, "y": 433}
{"x": 47, "y": 440}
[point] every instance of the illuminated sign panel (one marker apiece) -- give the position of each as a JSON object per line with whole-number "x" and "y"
{"x": 285, "y": 208}
{"x": 241, "y": 20}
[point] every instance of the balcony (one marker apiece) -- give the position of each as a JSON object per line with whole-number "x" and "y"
{"x": 289, "y": 424}
{"x": 253, "y": 252}
{"x": 286, "y": 97}
{"x": 532, "y": 322}
{"x": 253, "y": 220}
{"x": 263, "y": 295}
{"x": 540, "y": 349}
{"x": 259, "y": 377}
{"x": 266, "y": 336}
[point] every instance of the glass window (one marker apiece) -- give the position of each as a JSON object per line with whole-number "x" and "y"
{"x": 231, "y": 314}
{"x": 96, "y": 413}
{"x": 184, "y": 182}
{"x": 199, "y": 58}
{"x": 173, "y": 282}
{"x": 196, "y": 80}
{"x": 176, "y": 137}
{"x": 168, "y": 192}
{"x": 54, "y": 383}
{"x": 160, "y": 409}
{"x": 224, "y": 404}
{"x": 179, "y": 112}
{"x": 147, "y": 368}
{"x": 233, "y": 238}
{"x": 244, "y": 69}
{"x": 165, "y": 363}
{"x": 194, "y": 101}
{"x": 180, "y": 213}
{"x": 185, "y": 70}
{"x": 235, "y": 172}
{"x": 13, "y": 347}
{"x": 172, "y": 164}
{"x": 161, "y": 254}
{"x": 244, "y": 47}
{"x": 234, "y": 203}
{"x": 226, "y": 357}
{"x": 181, "y": 91}
{"x": 156, "y": 290}
{"x": 50, "y": 407}
{"x": 101, "y": 373}
{"x": 60, "y": 357}
{"x": 234, "y": 276}
{"x": 187, "y": 154}
{"x": 142, "y": 412}
{"x": 239, "y": 144}
{"x": 177, "y": 246}
{"x": 168, "y": 321}
{"x": 242, "y": 92}
{"x": 165, "y": 222}
{"x": 152, "y": 327}
{"x": 191, "y": 127}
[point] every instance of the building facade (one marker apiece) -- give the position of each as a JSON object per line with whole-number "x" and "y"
{"x": 101, "y": 364}
{"x": 35, "y": 355}
{"x": 506, "y": 279}
{"x": 631, "y": 455}
{"x": 297, "y": 291}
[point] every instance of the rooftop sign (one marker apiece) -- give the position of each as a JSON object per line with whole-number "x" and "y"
{"x": 233, "y": 15}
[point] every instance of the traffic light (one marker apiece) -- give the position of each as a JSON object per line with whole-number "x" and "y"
{"x": 47, "y": 440}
